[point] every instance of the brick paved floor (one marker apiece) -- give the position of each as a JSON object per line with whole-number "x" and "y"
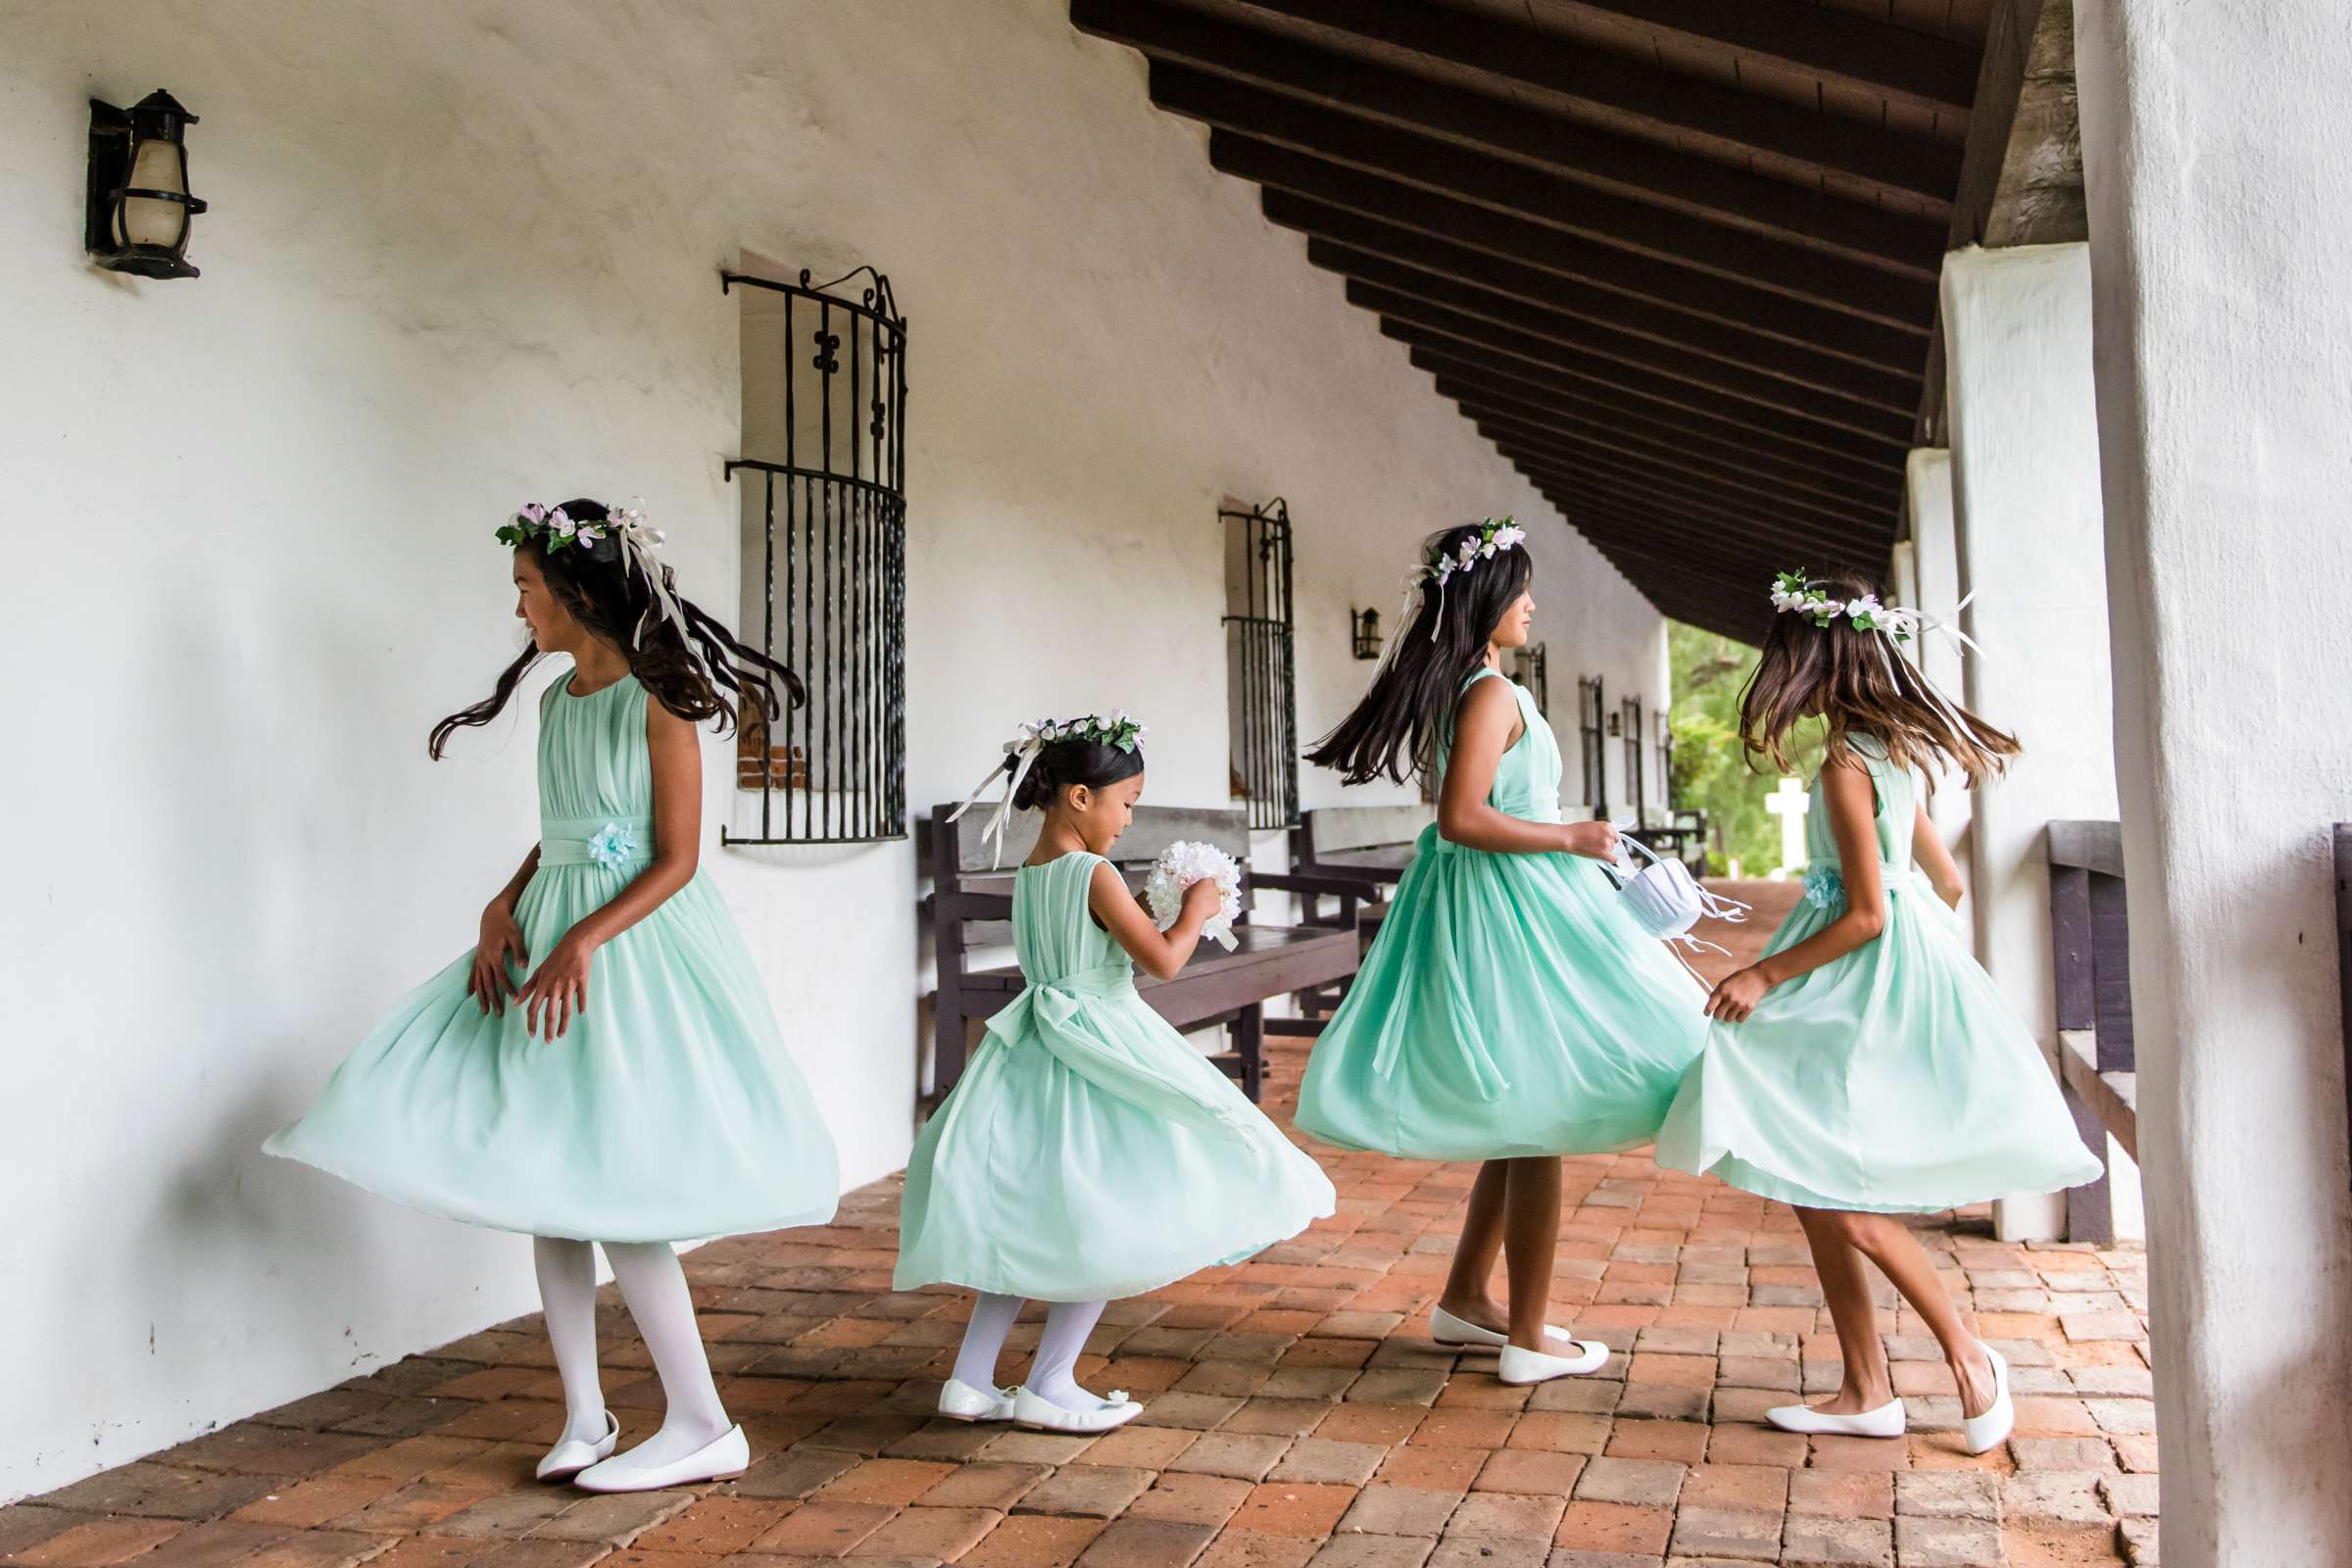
{"x": 1297, "y": 1417}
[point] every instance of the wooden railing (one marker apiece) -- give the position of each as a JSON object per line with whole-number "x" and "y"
{"x": 2091, "y": 957}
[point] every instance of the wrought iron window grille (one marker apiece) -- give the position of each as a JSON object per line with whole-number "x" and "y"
{"x": 1589, "y": 730}
{"x": 825, "y": 561}
{"x": 1534, "y": 671}
{"x": 1637, "y": 752}
{"x": 1262, "y": 673}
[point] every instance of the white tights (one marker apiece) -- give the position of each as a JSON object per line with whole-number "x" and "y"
{"x": 1068, "y": 1324}
{"x": 654, "y": 1287}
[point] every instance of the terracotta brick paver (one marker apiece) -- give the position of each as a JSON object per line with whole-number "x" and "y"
{"x": 1298, "y": 1415}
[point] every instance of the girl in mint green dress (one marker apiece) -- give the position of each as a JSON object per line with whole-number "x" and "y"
{"x": 1864, "y": 1067}
{"x": 1089, "y": 1152}
{"x": 1509, "y": 1012}
{"x": 604, "y": 1066}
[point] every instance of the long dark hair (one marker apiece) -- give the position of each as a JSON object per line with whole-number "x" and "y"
{"x": 1395, "y": 729}
{"x": 1858, "y": 684}
{"x": 1061, "y": 763}
{"x": 610, "y": 597}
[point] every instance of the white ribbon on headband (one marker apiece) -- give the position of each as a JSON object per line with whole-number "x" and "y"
{"x": 1021, "y": 755}
{"x": 637, "y": 546}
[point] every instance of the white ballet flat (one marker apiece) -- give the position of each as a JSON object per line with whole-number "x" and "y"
{"x": 728, "y": 1454}
{"x": 1455, "y": 1333}
{"x": 1980, "y": 1433}
{"x": 1534, "y": 1366}
{"x": 958, "y": 1400}
{"x": 1887, "y": 1421}
{"x": 575, "y": 1454}
{"x": 1036, "y": 1410}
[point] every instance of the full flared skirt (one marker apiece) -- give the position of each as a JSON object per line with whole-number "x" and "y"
{"x": 1892, "y": 1080}
{"x": 1033, "y": 1179}
{"x": 1507, "y": 1009}
{"x": 669, "y": 1110}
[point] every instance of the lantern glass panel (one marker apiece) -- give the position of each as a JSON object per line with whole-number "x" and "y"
{"x": 144, "y": 220}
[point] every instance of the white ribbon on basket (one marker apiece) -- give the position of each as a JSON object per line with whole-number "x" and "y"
{"x": 1665, "y": 900}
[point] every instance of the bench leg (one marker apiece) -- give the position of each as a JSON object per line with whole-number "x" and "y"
{"x": 2090, "y": 1209}
{"x": 1249, "y": 1039}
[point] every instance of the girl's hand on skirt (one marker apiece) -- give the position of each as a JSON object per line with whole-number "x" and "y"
{"x": 501, "y": 942}
{"x": 559, "y": 990}
{"x": 1594, "y": 839}
{"x": 1736, "y": 996}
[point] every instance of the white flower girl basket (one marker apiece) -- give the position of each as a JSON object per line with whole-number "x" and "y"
{"x": 1666, "y": 900}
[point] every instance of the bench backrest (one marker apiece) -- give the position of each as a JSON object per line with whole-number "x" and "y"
{"x": 1337, "y": 829}
{"x": 960, "y": 850}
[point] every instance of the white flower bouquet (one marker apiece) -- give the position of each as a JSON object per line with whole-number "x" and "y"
{"x": 1180, "y": 866}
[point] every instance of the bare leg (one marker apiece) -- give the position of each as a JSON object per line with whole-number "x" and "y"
{"x": 984, "y": 1340}
{"x": 1889, "y": 1244}
{"x": 1469, "y": 1293}
{"x": 568, "y": 1292}
{"x": 1052, "y": 1370}
{"x": 654, "y": 1287}
{"x": 1845, "y": 1286}
{"x": 1530, "y": 1242}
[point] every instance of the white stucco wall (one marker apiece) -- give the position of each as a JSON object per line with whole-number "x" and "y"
{"x": 459, "y": 258}
{"x": 2214, "y": 144}
{"x": 2027, "y": 521}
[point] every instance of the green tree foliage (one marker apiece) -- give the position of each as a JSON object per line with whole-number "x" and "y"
{"x": 1711, "y": 772}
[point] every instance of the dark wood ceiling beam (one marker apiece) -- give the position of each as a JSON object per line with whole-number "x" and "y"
{"x": 1779, "y": 379}
{"x": 1888, "y": 442}
{"x": 1678, "y": 470}
{"x": 1894, "y": 62}
{"x": 1702, "y": 455}
{"x": 1461, "y": 366}
{"x": 1667, "y": 104}
{"x": 1905, "y": 299}
{"x": 1705, "y": 520}
{"x": 1293, "y": 178}
{"x": 1740, "y": 540}
{"x": 1664, "y": 569}
{"x": 1508, "y": 279}
{"x": 1624, "y": 165}
{"x": 1716, "y": 519}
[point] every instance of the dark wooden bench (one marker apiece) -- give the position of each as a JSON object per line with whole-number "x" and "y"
{"x": 2090, "y": 961}
{"x": 971, "y": 907}
{"x": 1684, "y": 839}
{"x": 1366, "y": 848}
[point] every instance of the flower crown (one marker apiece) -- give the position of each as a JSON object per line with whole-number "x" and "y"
{"x": 621, "y": 533}
{"x": 1494, "y": 533}
{"x": 1118, "y": 731}
{"x": 1794, "y": 593}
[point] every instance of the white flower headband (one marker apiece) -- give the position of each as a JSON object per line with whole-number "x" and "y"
{"x": 1118, "y": 731}
{"x": 622, "y": 532}
{"x": 1794, "y": 593}
{"x": 1493, "y": 534}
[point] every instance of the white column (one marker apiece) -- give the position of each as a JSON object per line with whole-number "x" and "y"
{"x": 2213, "y": 140}
{"x": 2025, "y": 467}
{"x": 1934, "y": 589}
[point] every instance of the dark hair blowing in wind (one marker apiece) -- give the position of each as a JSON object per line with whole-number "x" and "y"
{"x": 1856, "y": 683}
{"x": 1395, "y": 729}
{"x": 691, "y": 673}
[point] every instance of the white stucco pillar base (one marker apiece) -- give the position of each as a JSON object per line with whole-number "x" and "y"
{"x": 2029, "y": 544}
{"x": 2213, "y": 140}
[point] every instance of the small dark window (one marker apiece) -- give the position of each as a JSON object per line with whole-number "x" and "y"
{"x": 1637, "y": 752}
{"x": 1589, "y": 729}
{"x": 824, "y": 556}
{"x": 1261, "y": 678}
{"x": 1533, "y": 673}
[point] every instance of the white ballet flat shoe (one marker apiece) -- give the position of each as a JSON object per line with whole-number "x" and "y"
{"x": 727, "y": 1454}
{"x": 1455, "y": 1333}
{"x": 1036, "y": 1410}
{"x": 1887, "y": 1421}
{"x": 575, "y": 1454}
{"x": 1980, "y": 1433}
{"x": 958, "y": 1400}
{"x": 1534, "y": 1366}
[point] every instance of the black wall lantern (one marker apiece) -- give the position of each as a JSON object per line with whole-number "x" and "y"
{"x": 140, "y": 211}
{"x": 1364, "y": 633}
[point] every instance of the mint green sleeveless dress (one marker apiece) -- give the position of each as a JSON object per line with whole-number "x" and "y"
{"x": 1893, "y": 1080}
{"x": 1508, "y": 1007}
{"x": 1089, "y": 1152}
{"x": 669, "y": 1110}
